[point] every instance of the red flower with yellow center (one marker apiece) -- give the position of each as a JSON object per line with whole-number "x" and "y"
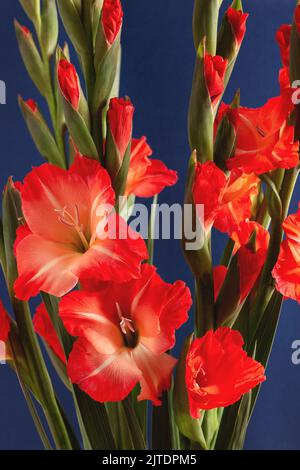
{"x": 72, "y": 231}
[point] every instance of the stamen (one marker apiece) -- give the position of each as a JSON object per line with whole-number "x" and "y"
{"x": 73, "y": 222}
{"x": 125, "y": 323}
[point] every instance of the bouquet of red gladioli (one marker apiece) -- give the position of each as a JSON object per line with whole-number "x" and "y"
{"x": 106, "y": 317}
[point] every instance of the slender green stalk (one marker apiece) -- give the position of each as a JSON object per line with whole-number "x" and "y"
{"x": 31, "y": 407}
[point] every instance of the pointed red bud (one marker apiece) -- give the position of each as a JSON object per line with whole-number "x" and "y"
{"x": 283, "y": 39}
{"x": 120, "y": 116}
{"x": 214, "y": 73}
{"x": 112, "y": 18}
{"x": 237, "y": 20}
{"x": 32, "y": 105}
{"x": 68, "y": 82}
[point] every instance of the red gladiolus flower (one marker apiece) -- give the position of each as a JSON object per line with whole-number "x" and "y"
{"x": 119, "y": 116}
{"x": 251, "y": 259}
{"x": 112, "y": 18}
{"x": 227, "y": 200}
{"x": 283, "y": 37}
{"x": 44, "y": 327}
{"x": 32, "y": 105}
{"x": 264, "y": 140}
{"x": 237, "y": 20}
{"x": 241, "y": 234}
{"x": 72, "y": 232}
{"x": 287, "y": 269}
{"x": 214, "y": 73}
{"x": 68, "y": 82}
{"x": 219, "y": 372}
{"x": 147, "y": 177}
{"x": 4, "y": 323}
{"x": 297, "y": 18}
{"x": 124, "y": 331}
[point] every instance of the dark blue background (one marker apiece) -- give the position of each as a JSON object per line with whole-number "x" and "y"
{"x": 158, "y": 58}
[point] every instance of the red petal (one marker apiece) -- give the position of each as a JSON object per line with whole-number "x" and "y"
{"x": 44, "y": 327}
{"x": 103, "y": 377}
{"x": 156, "y": 373}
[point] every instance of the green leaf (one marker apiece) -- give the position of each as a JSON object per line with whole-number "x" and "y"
{"x": 92, "y": 416}
{"x": 200, "y": 117}
{"x": 205, "y": 23}
{"x": 32, "y": 60}
{"x": 40, "y": 133}
{"x": 106, "y": 73}
{"x": 234, "y": 424}
{"x": 265, "y": 335}
{"x": 134, "y": 425}
{"x": 69, "y": 12}
{"x": 79, "y": 131}
{"x": 32, "y": 9}
{"x": 49, "y": 30}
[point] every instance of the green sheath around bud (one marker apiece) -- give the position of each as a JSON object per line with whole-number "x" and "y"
{"x": 32, "y": 59}
{"x": 49, "y": 31}
{"x": 205, "y": 23}
{"x": 40, "y": 133}
{"x": 71, "y": 19}
{"x": 200, "y": 118}
{"x": 32, "y": 9}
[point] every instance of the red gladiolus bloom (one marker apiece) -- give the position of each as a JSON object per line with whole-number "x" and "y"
{"x": 68, "y": 82}
{"x": 283, "y": 37}
{"x": 112, "y": 18}
{"x": 287, "y": 269}
{"x": 147, "y": 177}
{"x": 297, "y": 19}
{"x": 219, "y": 372}
{"x": 72, "y": 232}
{"x": 214, "y": 73}
{"x": 119, "y": 116}
{"x": 264, "y": 140}
{"x": 44, "y": 327}
{"x": 4, "y": 323}
{"x": 227, "y": 200}
{"x": 241, "y": 234}
{"x": 124, "y": 331}
{"x": 32, "y": 105}
{"x": 250, "y": 258}
{"x": 237, "y": 20}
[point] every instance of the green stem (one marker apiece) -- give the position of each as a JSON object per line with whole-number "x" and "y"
{"x": 31, "y": 407}
{"x": 204, "y": 292}
{"x": 40, "y": 376}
